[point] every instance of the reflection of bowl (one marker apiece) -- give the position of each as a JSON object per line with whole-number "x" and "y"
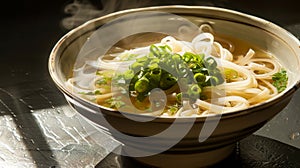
{"x": 230, "y": 128}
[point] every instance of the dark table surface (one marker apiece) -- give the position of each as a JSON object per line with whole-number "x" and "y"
{"x": 39, "y": 129}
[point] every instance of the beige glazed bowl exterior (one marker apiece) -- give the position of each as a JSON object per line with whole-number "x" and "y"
{"x": 230, "y": 127}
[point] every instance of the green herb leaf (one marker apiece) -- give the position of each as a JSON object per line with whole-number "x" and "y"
{"x": 96, "y": 92}
{"x": 86, "y": 93}
{"x": 173, "y": 109}
{"x": 102, "y": 81}
{"x": 280, "y": 80}
{"x": 115, "y": 102}
{"x": 230, "y": 74}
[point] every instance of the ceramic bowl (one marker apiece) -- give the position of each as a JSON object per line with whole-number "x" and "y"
{"x": 181, "y": 142}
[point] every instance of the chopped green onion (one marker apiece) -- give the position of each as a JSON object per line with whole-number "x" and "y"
{"x": 128, "y": 75}
{"x": 213, "y": 80}
{"x": 200, "y": 77}
{"x": 163, "y": 69}
{"x": 210, "y": 63}
{"x": 137, "y": 66}
{"x": 97, "y": 92}
{"x": 102, "y": 81}
{"x": 167, "y": 80}
{"x": 173, "y": 109}
{"x": 141, "y": 85}
{"x": 115, "y": 102}
{"x": 179, "y": 97}
{"x": 194, "y": 92}
{"x": 230, "y": 74}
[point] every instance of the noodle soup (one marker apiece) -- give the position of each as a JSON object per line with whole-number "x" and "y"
{"x": 164, "y": 76}
{"x": 193, "y": 131}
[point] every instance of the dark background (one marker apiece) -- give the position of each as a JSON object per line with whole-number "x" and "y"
{"x": 30, "y": 29}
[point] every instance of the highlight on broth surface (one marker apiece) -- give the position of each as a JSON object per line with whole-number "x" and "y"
{"x": 175, "y": 78}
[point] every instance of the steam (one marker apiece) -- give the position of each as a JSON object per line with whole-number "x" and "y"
{"x": 80, "y": 11}
{"x": 84, "y": 10}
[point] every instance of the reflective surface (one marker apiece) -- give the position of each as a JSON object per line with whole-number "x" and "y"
{"x": 39, "y": 129}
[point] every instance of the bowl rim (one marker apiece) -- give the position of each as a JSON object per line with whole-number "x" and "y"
{"x": 57, "y": 47}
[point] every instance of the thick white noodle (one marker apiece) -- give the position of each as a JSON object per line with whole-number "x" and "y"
{"x": 205, "y": 28}
{"x": 263, "y": 95}
{"x": 176, "y": 46}
{"x": 268, "y": 72}
{"x": 274, "y": 90}
{"x": 223, "y": 53}
{"x": 203, "y": 43}
{"x": 240, "y": 103}
{"x": 244, "y": 60}
{"x": 249, "y": 81}
{"x": 84, "y": 77}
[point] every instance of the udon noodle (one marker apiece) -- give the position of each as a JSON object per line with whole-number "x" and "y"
{"x": 246, "y": 79}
